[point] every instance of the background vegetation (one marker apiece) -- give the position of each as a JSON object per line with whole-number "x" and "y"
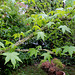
{"x": 45, "y": 30}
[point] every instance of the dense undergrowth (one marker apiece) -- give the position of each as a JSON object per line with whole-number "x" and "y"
{"x": 36, "y": 30}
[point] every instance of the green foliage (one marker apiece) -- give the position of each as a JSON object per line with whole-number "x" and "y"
{"x": 33, "y": 51}
{"x": 40, "y": 14}
{"x": 65, "y": 49}
{"x": 40, "y": 35}
{"x": 68, "y": 49}
{"x": 36, "y": 27}
{"x": 58, "y": 63}
{"x": 65, "y": 28}
{"x": 8, "y": 42}
{"x": 13, "y": 57}
{"x": 57, "y": 51}
{"x": 50, "y": 23}
{"x": 47, "y": 56}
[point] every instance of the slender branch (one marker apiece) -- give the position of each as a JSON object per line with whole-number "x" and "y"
{"x": 26, "y": 50}
{"x": 27, "y": 38}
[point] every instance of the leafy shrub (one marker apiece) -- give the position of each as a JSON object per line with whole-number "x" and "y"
{"x": 54, "y": 26}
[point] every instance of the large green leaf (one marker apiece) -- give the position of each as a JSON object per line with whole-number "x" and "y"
{"x": 40, "y": 35}
{"x": 64, "y": 28}
{"x": 12, "y": 56}
{"x": 47, "y": 56}
{"x": 68, "y": 49}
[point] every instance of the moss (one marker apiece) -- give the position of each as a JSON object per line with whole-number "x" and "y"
{"x": 58, "y": 63}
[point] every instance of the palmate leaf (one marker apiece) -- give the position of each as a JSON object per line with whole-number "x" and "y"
{"x": 33, "y": 51}
{"x": 57, "y": 51}
{"x": 16, "y": 35}
{"x": 64, "y": 28}
{"x": 13, "y": 57}
{"x": 47, "y": 56}
{"x": 2, "y": 45}
{"x": 49, "y": 24}
{"x": 8, "y": 42}
{"x": 40, "y": 35}
{"x": 68, "y": 49}
{"x": 36, "y": 27}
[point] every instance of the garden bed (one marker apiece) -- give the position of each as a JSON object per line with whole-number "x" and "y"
{"x": 33, "y": 70}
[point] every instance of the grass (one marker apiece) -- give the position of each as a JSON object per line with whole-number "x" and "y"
{"x": 29, "y": 70}
{"x": 33, "y": 70}
{"x": 70, "y": 70}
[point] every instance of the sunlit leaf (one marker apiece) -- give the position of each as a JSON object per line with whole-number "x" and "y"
{"x": 13, "y": 57}
{"x": 36, "y": 27}
{"x": 57, "y": 51}
{"x": 47, "y": 56}
{"x": 40, "y": 35}
{"x": 49, "y": 24}
{"x": 68, "y": 49}
{"x": 7, "y": 42}
{"x": 33, "y": 51}
{"x": 64, "y": 28}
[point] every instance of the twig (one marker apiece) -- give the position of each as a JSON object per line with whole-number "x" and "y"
{"x": 27, "y": 38}
{"x": 26, "y": 50}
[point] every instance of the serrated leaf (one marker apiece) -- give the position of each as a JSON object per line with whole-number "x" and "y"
{"x": 47, "y": 56}
{"x": 13, "y": 57}
{"x": 36, "y": 27}
{"x": 40, "y": 35}
{"x": 68, "y": 49}
{"x": 33, "y": 51}
{"x": 64, "y": 28}
{"x": 57, "y": 51}
{"x": 49, "y": 24}
{"x": 16, "y": 35}
{"x": 8, "y": 42}
{"x": 2, "y": 45}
